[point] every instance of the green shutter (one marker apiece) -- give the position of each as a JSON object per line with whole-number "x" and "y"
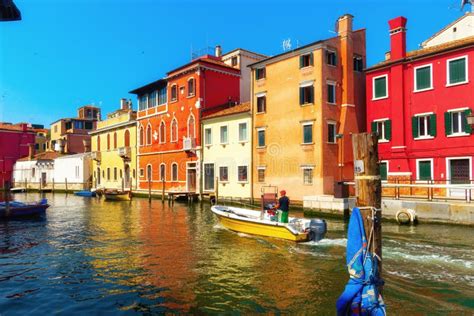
{"x": 388, "y": 129}
{"x": 380, "y": 87}
{"x": 383, "y": 171}
{"x": 423, "y": 78}
{"x": 424, "y": 170}
{"x": 301, "y": 96}
{"x": 311, "y": 59}
{"x": 467, "y": 127}
{"x": 414, "y": 126}
{"x": 311, "y": 95}
{"x": 301, "y": 61}
{"x": 447, "y": 123}
{"x": 256, "y": 74}
{"x": 457, "y": 71}
{"x": 374, "y": 127}
{"x": 433, "y": 125}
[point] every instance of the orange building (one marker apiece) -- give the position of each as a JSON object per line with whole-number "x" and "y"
{"x": 168, "y": 118}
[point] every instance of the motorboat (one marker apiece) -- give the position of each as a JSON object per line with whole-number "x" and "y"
{"x": 16, "y": 209}
{"x": 85, "y": 193}
{"x": 116, "y": 195}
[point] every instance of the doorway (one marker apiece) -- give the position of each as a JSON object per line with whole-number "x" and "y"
{"x": 459, "y": 173}
{"x": 43, "y": 179}
{"x": 191, "y": 176}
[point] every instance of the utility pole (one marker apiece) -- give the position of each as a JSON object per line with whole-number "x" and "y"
{"x": 369, "y": 189}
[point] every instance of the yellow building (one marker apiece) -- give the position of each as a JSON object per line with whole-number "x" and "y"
{"x": 306, "y": 103}
{"x": 227, "y": 151}
{"x": 114, "y": 150}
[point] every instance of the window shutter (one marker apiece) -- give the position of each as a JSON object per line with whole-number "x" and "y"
{"x": 311, "y": 59}
{"x": 311, "y": 95}
{"x": 388, "y": 129}
{"x": 256, "y": 74}
{"x": 374, "y": 127}
{"x": 457, "y": 71}
{"x": 301, "y": 61}
{"x": 414, "y": 126}
{"x": 301, "y": 96}
{"x": 447, "y": 123}
{"x": 467, "y": 127}
{"x": 433, "y": 125}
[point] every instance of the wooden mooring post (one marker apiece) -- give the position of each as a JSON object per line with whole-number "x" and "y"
{"x": 217, "y": 190}
{"x": 149, "y": 189}
{"x": 369, "y": 188}
{"x": 65, "y": 181}
{"x": 163, "y": 184}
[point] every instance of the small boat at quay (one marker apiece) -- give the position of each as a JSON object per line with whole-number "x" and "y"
{"x": 115, "y": 195}
{"x": 16, "y": 209}
{"x": 257, "y": 222}
{"x": 85, "y": 193}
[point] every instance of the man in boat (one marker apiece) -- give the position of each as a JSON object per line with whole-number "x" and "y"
{"x": 284, "y": 206}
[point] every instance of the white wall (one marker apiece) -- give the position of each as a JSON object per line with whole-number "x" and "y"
{"x": 75, "y": 168}
{"x": 464, "y": 28}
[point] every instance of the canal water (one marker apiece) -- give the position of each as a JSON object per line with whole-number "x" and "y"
{"x": 94, "y": 256}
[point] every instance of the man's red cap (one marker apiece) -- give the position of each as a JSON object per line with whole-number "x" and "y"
{"x": 283, "y": 192}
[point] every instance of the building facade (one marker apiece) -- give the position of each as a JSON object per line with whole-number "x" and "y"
{"x": 16, "y": 141}
{"x": 71, "y": 135}
{"x": 418, "y": 103}
{"x": 227, "y": 151}
{"x": 305, "y": 104}
{"x": 114, "y": 150}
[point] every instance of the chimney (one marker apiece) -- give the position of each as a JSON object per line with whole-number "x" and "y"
{"x": 398, "y": 38}
{"x": 87, "y": 145}
{"x": 31, "y": 151}
{"x": 344, "y": 24}
{"x": 218, "y": 51}
{"x": 124, "y": 105}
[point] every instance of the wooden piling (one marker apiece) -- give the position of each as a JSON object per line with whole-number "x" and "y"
{"x": 149, "y": 189}
{"x": 163, "y": 190}
{"x": 369, "y": 188}
{"x": 217, "y": 189}
{"x": 65, "y": 181}
{"x": 53, "y": 186}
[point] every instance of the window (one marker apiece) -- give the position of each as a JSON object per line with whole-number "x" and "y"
{"x": 142, "y": 172}
{"x": 242, "y": 173}
{"x": 142, "y": 102}
{"x": 191, "y": 126}
{"x": 331, "y": 58}
{"x": 152, "y": 99}
{"x": 108, "y": 141}
{"x": 261, "y": 174}
{"x": 456, "y": 122}
{"x": 162, "y": 97}
{"x": 55, "y": 128}
{"x": 306, "y": 60}
{"x": 115, "y": 174}
{"x": 242, "y": 132}
{"x": 126, "y": 138}
{"x": 209, "y": 176}
{"x": 331, "y": 92}
{"x": 108, "y": 174}
{"x": 383, "y": 170}
{"x": 88, "y": 125}
{"x": 79, "y": 124}
{"x": 33, "y": 172}
{"x": 383, "y": 128}
{"x": 121, "y": 174}
{"x": 223, "y": 134}
{"x": 307, "y": 175}
{"x": 358, "y": 63}
{"x": 207, "y": 136}
{"x": 423, "y": 169}
{"x": 148, "y": 134}
{"x": 37, "y": 147}
{"x": 223, "y": 174}
{"x": 261, "y": 104}
{"x": 174, "y": 130}
{"x": 261, "y": 138}
{"x": 68, "y": 125}
{"x": 380, "y": 87}
{"x": 457, "y": 70}
{"x": 181, "y": 90}
{"x": 162, "y": 132}
{"x": 423, "y": 80}
{"x": 142, "y": 136}
{"x": 174, "y": 93}
{"x": 308, "y": 133}
{"x": 133, "y": 173}
{"x": 234, "y": 61}
{"x": 424, "y": 126}
{"x": 190, "y": 87}
{"x": 115, "y": 140}
{"x": 174, "y": 172}
{"x": 260, "y": 73}
{"x": 331, "y": 132}
{"x": 103, "y": 174}
{"x": 306, "y": 94}
{"x": 162, "y": 172}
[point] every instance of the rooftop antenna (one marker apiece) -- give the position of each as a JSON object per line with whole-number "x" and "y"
{"x": 286, "y": 44}
{"x": 464, "y": 2}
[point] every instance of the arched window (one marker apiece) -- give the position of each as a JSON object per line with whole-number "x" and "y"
{"x": 98, "y": 142}
{"x": 162, "y": 132}
{"x": 190, "y": 87}
{"x": 162, "y": 172}
{"x": 191, "y": 126}
{"x": 174, "y": 130}
{"x": 174, "y": 172}
{"x": 142, "y": 136}
{"x": 126, "y": 139}
{"x": 115, "y": 140}
{"x": 108, "y": 141}
{"x": 148, "y": 134}
{"x": 148, "y": 172}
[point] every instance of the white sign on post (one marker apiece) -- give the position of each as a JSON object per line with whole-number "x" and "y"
{"x": 358, "y": 166}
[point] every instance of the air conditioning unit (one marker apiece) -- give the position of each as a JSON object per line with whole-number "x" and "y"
{"x": 96, "y": 155}
{"x": 189, "y": 143}
{"x": 124, "y": 151}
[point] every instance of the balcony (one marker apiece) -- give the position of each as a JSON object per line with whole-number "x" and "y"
{"x": 189, "y": 143}
{"x": 125, "y": 152}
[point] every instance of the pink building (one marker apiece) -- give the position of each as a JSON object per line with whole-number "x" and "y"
{"x": 15, "y": 142}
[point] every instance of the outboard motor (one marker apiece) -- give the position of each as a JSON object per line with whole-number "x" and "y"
{"x": 317, "y": 229}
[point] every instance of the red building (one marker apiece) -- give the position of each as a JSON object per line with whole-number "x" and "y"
{"x": 168, "y": 118}
{"x": 418, "y": 102}
{"x": 15, "y": 142}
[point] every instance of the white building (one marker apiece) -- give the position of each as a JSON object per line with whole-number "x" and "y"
{"x": 75, "y": 170}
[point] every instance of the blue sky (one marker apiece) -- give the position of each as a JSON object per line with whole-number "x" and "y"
{"x": 68, "y": 53}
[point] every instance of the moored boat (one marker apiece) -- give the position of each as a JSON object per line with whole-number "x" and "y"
{"x": 256, "y": 222}
{"x": 115, "y": 195}
{"x": 85, "y": 193}
{"x": 16, "y": 209}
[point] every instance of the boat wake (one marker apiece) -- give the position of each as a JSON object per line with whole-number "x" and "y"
{"x": 342, "y": 242}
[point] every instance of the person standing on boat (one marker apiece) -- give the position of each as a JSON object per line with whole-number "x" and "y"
{"x": 283, "y": 206}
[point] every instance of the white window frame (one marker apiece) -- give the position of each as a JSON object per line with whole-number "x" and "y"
{"x": 204, "y": 176}
{"x": 448, "y": 169}
{"x": 258, "y": 130}
{"x": 415, "y": 78}
{"x": 246, "y": 181}
{"x": 333, "y": 123}
{"x": 220, "y": 180}
{"x": 142, "y": 173}
{"x": 189, "y": 95}
{"x": 194, "y": 125}
{"x": 328, "y": 50}
{"x": 312, "y": 132}
{"x": 159, "y": 133}
{"x": 172, "y": 139}
{"x": 162, "y": 176}
{"x": 451, "y": 113}
{"x": 388, "y": 166}
{"x": 417, "y": 161}
{"x": 171, "y": 93}
{"x": 246, "y": 132}
{"x": 447, "y": 71}
{"x": 177, "y": 172}
{"x": 208, "y": 142}
{"x": 146, "y": 134}
{"x": 383, "y": 139}
{"x": 220, "y": 134}
{"x": 260, "y": 95}
{"x": 333, "y": 84}
{"x": 427, "y": 118}
{"x": 386, "y": 87}
{"x": 308, "y": 167}
{"x": 264, "y": 168}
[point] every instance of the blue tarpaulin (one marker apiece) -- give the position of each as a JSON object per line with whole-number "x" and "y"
{"x": 360, "y": 296}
